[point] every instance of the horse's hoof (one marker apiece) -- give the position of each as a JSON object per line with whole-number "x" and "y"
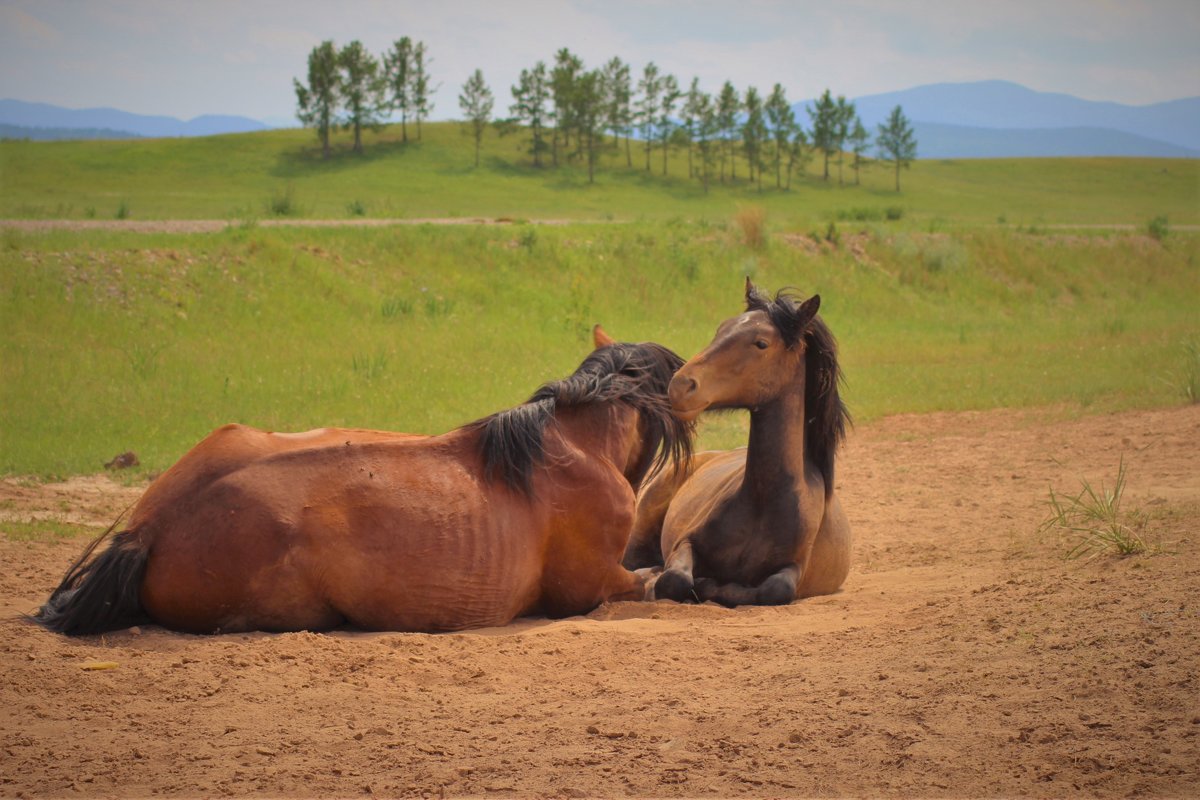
{"x": 673, "y": 585}
{"x": 775, "y": 591}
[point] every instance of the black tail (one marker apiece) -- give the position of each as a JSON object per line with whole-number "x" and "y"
{"x": 99, "y": 594}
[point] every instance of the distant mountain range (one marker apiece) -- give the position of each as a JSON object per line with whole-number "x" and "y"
{"x": 999, "y": 119}
{"x": 984, "y": 119}
{"x": 34, "y": 116}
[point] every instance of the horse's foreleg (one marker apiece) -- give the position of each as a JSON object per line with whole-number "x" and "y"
{"x": 676, "y": 581}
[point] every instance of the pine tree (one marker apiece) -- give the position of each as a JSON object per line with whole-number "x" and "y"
{"x": 476, "y": 103}
{"x": 666, "y": 115}
{"x": 317, "y": 102}
{"x": 860, "y": 140}
{"x": 398, "y": 73}
{"x": 824, "y": 127}
{"x": 650, "y": 87}
{"x": 530, "y": 96}
{"x": 729, "y": 105}
{"x": 690, "y": 115}
{"x": 782, "y": 121}
{"x": 563, "y": 78}
{"x": 896, "y": 142}
{"x": 617, "y": 88}
{"x": 361, "y": 89}
{"x": 844, "y": 115}
{"x": 422, "y": 90}
{"x": 754, "y": 134}
{"x": 707, "y": 133}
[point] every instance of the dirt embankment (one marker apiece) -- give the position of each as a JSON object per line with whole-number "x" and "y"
{"x": 964, "y": 657}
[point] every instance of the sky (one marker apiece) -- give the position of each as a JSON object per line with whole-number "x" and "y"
{"x": 184, "y": 59}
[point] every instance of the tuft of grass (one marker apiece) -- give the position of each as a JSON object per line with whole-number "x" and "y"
{"x": 123, "y": 210}
{"x": 1094, "y": 523}
{"x": 356, "y": 208}
{"x": 752, "y": 221}
{"x": 283, "y": 204}
{"x": 393, "y": 307}
{"x": 1190, "y": 379}
{"x": 1158, "y": 227}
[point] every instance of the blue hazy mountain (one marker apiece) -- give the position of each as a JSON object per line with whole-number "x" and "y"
{"x": 990, "y": 119}
{"x": 41, "y": 115}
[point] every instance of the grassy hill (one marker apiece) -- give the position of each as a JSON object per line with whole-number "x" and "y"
{"x": 113, "y": 341}
{"x": 247, "y": 176}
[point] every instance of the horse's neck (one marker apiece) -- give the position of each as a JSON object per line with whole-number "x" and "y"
{"x": 775, "y": 452}
{"x": 602, "y": 430}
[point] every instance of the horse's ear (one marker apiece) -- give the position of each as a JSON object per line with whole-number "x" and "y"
{"x": 806, "y": 311}
{"x": 755, "y": 298}
{"x": 600, "y": 338}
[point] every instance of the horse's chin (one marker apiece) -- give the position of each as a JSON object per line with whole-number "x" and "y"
{"x": 688, "y": 414}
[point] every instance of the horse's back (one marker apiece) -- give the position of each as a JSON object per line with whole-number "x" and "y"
{"x": 287, "y": 532}
{"x": 829, "y": 562}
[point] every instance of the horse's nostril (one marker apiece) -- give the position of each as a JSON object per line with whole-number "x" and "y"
{"x": 689, "y": 385}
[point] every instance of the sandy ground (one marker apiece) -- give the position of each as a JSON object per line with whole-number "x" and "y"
{"x": 965, "y": 657}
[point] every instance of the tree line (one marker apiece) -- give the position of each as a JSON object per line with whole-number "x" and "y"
{"x": 571, "y": 114}
{"x": 351, "y": 88}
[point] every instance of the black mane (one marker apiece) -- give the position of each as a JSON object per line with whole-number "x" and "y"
{"x": 636, "y": 374}
{"x": 826, "y": 416}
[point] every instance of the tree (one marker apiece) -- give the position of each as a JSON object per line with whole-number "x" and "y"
{"x": 860, "y": 140}
{"x": 476, "y": 103}
{"x": 589, "y": 117}
{"x": 729, "y": 105}
{"x": 799, "y": 154}
{"x": 754, "y": 133}
{"x": 650, "y": 87}
{"x": 422, "y": 91}
{"x": 782, "y": 121}
{"x": 361, "y": 89}
{"x": 824, "y": 127}
{"x": 530, "y": 96}
{"x": 690, "y": 121}
{"x": 666, "y": 110}
{"x": 317, "y": 102}
{"x": 707, "y": 133}
{"x": 844, "y": 114}
{"x": 398, "y": 74}
{"x": 617, "y": 89}
{"x": 567, "y": 67}
{"x": 896, "y": 142}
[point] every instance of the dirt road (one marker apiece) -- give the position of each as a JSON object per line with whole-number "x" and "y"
{"x": 965, "y": 657}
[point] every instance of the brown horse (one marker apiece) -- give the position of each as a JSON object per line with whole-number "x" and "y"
{"x": 760, "y": 524}
{"x": 526, "y": 511}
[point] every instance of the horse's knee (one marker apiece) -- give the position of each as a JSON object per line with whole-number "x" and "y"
{"x": 673, "y": 585}
{"x": 777, "y": 590}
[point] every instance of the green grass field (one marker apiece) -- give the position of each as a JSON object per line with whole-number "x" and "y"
{"x": 114, "y": 341}
{"x": 250, "y": 176}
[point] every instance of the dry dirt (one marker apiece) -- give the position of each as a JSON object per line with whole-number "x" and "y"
{"x": 965, "y": 657}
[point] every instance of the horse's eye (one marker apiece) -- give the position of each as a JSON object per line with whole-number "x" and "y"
{"x": 760, "y": 344}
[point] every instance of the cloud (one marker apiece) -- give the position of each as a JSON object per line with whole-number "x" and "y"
{"x": 23, "y": 26}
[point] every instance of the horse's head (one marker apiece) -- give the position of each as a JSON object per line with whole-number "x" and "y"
{"x": 646, "y": 370}
{"x": 752, "y": 360}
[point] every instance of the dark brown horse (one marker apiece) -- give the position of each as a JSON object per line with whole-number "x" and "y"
{"x": 760, "y": 524}
{"x": 526, "y": 511}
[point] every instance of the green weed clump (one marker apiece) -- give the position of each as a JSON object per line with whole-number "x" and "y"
{"x": 1158, "y": 227}
{"x": 1094, "y": 523}
{"x": 1189, "y": 382}
{"x": 283, "y": 204}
